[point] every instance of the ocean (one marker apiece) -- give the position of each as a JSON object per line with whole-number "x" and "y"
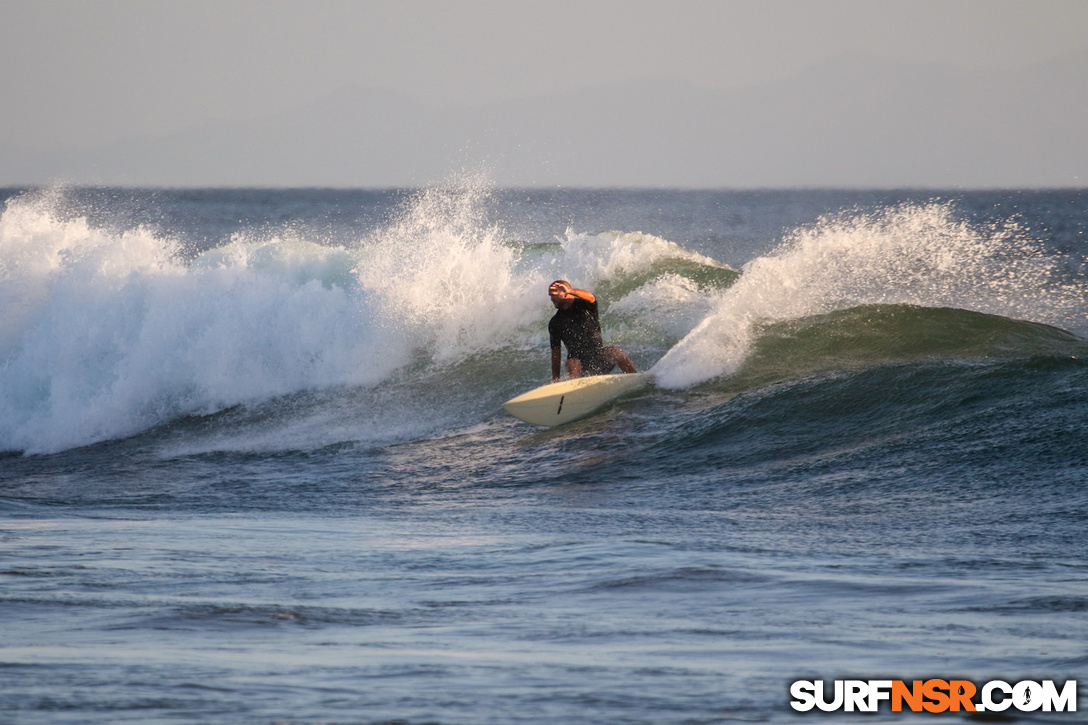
{"x": 254, "y": 466}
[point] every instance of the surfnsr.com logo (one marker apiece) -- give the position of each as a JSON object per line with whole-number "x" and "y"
{"x": 934, "y": 695}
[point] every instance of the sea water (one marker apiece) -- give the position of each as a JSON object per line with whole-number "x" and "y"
{"x": 255, "y": 467}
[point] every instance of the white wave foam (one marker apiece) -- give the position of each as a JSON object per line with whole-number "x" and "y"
{"x": 612, "y": 254}
{"x": 107, "y": 333}
{"x": 112, "y": 333}
{"x": 671, "y": 304}
{"x": 911, "y": 254}
{"x": 103, "y": 333}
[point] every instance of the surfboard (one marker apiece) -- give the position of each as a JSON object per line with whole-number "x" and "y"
{"x": 568, "y": 400}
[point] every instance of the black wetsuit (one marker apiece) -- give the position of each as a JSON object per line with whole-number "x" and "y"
{"x": 579, "y": 328}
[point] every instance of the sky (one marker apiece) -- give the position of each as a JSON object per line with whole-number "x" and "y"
{"x": 80, "y": 75}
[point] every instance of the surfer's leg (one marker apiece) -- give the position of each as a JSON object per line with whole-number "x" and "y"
{"x": 574, "y": 367}
{"x": 617, "y": 356}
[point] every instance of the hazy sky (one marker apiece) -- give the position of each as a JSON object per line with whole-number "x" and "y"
{"x": 77, "y": 74}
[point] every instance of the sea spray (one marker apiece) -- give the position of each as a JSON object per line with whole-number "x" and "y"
{"x": 918, "y": 254}
{"x": 613, "y": 255}
{"x": 450, "y": 276}
{"x": 442, "y": 273}
{"x": 646, "y": 283}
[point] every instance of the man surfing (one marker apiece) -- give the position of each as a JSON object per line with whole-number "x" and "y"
{"x": 577, "y": 325}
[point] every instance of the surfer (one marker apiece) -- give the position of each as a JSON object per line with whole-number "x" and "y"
{"x": 577, "y": 325}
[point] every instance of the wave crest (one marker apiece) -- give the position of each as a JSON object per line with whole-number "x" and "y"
{"x": 913, "y": 254}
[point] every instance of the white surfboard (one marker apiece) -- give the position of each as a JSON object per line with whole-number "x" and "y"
{"x": 567, "y": 400}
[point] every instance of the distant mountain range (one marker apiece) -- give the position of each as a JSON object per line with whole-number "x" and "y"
{"x": 850, "y": 122}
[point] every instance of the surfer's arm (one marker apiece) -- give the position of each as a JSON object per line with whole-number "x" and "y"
{"x": 557, "y": 359}
{"x": 582, "y": 294}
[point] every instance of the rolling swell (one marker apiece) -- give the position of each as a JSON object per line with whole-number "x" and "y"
{"x": 879, "y": 381}
{"x": 883, "y": 334}
{"x": 970, "y": 423}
